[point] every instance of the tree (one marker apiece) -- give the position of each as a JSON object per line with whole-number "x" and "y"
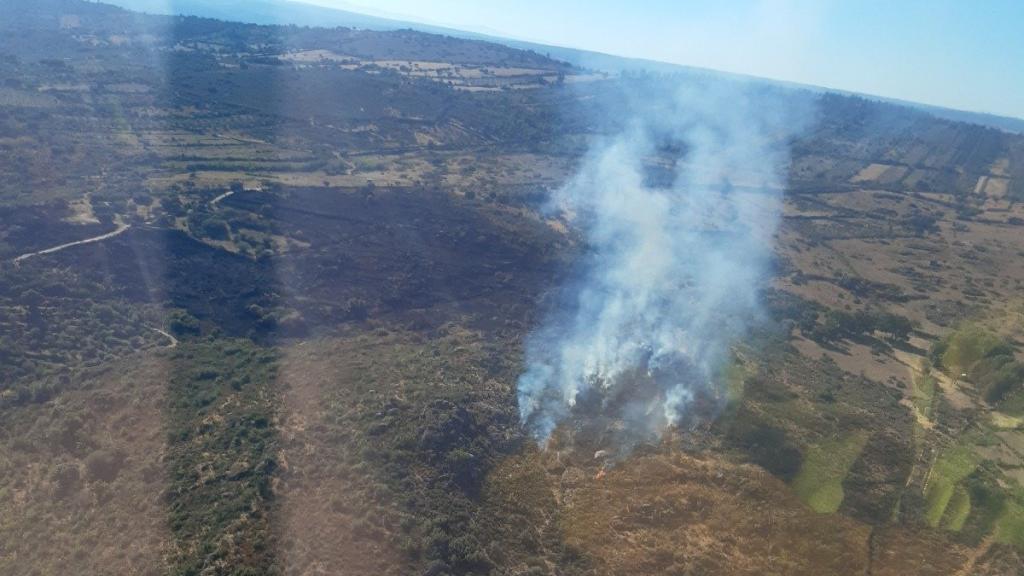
{"x": 896, "y": 328}
{"x": 183, "y": 324}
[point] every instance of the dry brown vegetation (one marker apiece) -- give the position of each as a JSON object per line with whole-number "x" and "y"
{"x": 340, "y": 233}
{"x": 82, "y": 477}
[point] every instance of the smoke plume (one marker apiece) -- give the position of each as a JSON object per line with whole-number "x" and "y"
{"x": 677, "y": 208}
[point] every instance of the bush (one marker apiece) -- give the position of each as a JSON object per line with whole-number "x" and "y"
{"x": 988, "y": 360}
{"x": 838, "y": 325}
{"x": 465, "y": 468}
{"x": 66, "y": 478}
{"x": 183, "y": 324}
{"x": 770, "y": 448}
{"x": 214, "y": 228}
{"x": 966, "y": 346}
{"x": 219, "y": 409}
{"x": 103, "y": 465}
{"x": 357, "y": 309}
{"x": 896, "y": 328}
{"x": 1000, "y": 382}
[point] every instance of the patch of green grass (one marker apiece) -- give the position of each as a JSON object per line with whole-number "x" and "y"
{"x": 1010, "y": 529}
{"x": 963, "y": 348}
{"x": 988, "y": 360}
{"x": 734, "y": 375}
{"x": 988, "y": 501}
{"x": 1010, "y": 526}
{"x": 958, "y": 509}
{"x": 952, "y": 467}
{"x": 820, "y": 480}
{"x": 1013, "y": 404}
{"x": 1004, "y": 422}
{"x": 923, "y": 393}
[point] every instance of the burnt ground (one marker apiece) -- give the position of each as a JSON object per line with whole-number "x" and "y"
{"x": 349, "y": 324}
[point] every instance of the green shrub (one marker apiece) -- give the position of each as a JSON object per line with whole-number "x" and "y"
{"x": 220, "y": 459}
{"x": 182, "y": 323}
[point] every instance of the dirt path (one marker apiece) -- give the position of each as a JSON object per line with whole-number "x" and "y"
{"x": 928, "y": 423}
{"x": 121, "y": 227}
{"x": 214, "y": 202}
{"x": 240, "y": 139}
{"x": 950, "y": 388}
{"x": 976, "y": 554}
{"x": 174, "y": 341}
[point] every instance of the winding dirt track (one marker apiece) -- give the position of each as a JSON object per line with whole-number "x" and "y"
{"x": 169, "y": 336}
{"x": 216, "y": 200}
{"x": 121, "y": 227}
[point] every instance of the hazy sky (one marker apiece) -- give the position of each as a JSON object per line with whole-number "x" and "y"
{"x": 966, "y": 54}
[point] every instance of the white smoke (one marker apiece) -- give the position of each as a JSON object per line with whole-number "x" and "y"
{"x": 673, "y": 267}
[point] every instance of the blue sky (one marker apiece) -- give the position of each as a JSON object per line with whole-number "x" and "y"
{"x": 966, "y": 54}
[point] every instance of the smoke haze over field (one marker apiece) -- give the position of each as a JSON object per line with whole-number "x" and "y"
{"x": 674, "y": 264}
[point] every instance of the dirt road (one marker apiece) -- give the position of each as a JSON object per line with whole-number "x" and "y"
{"x": 121, "y": 227}
{"x": 173, "y": 340}
{"x": 221, "y": 197}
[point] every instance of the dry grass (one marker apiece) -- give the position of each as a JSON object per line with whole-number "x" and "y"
{"x": 668, "y": 514}
{"x": 322, "y": 508}
{"x": 81, "y": 477}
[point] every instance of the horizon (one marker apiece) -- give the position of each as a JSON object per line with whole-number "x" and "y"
{"x": 942, "y": 53}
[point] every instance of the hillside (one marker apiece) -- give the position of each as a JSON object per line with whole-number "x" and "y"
{"x": 265, "y": 293}
{"x": 285, "y": 12}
